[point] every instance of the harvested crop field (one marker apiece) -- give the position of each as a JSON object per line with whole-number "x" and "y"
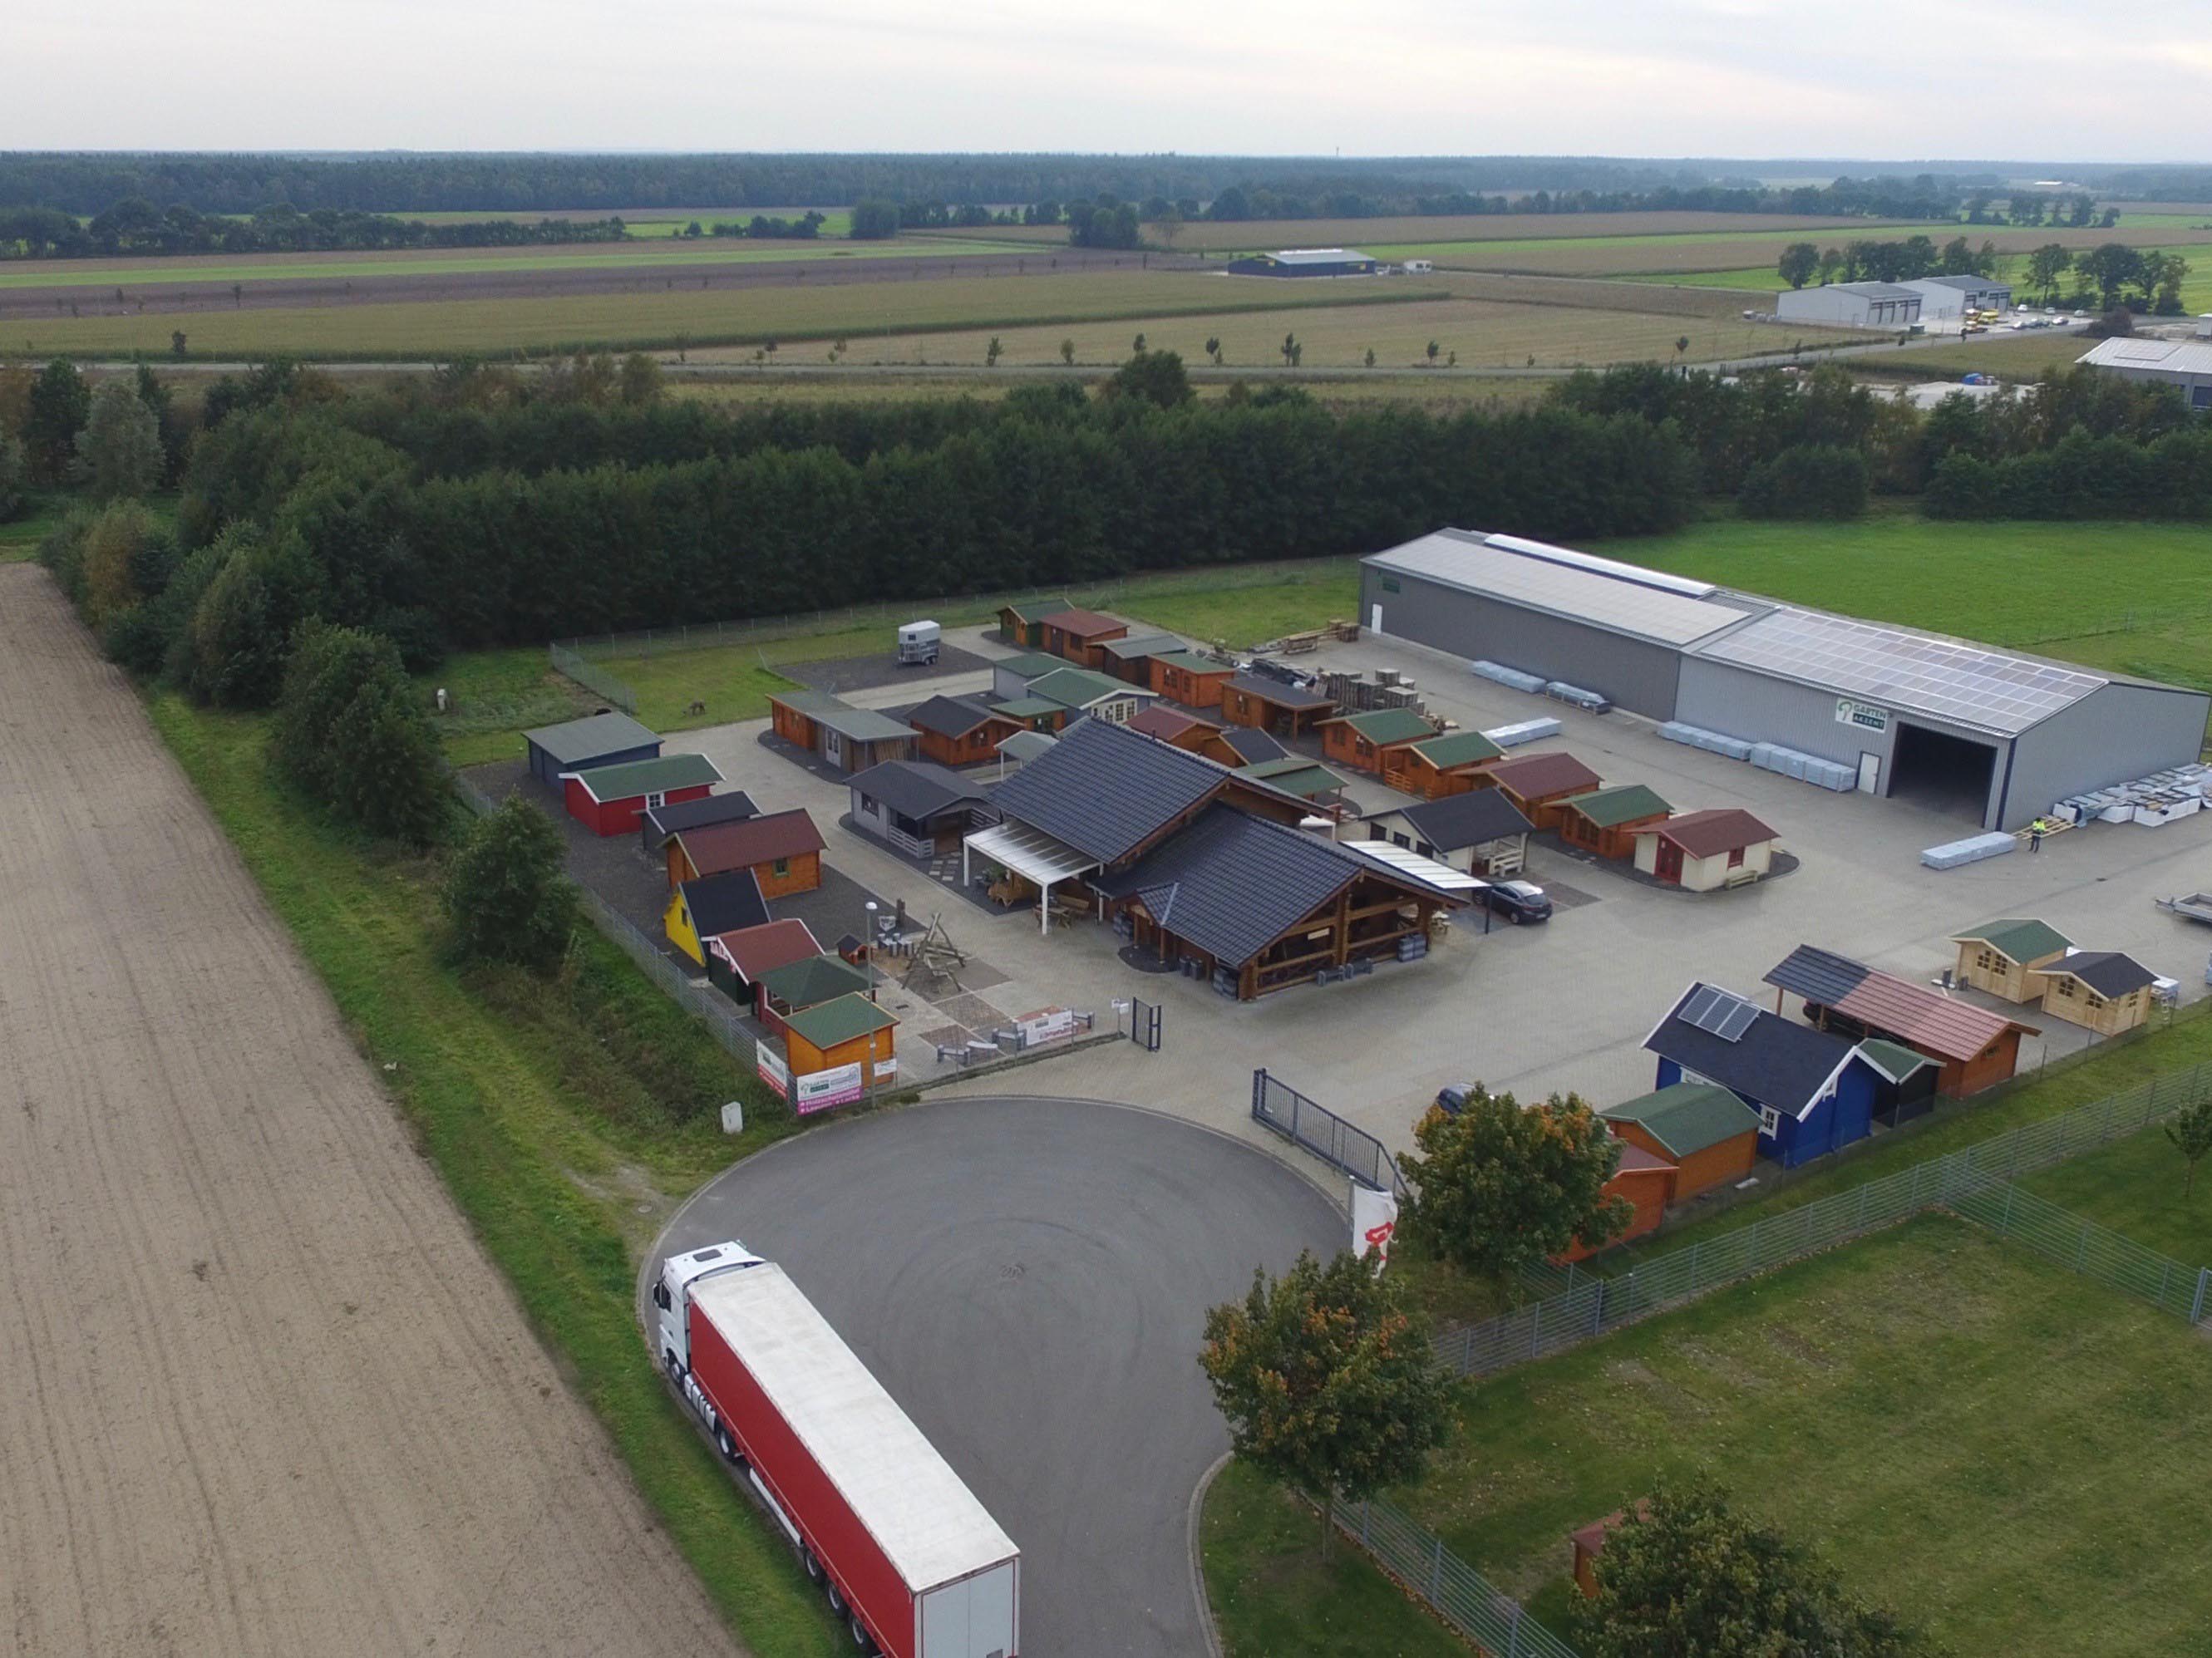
{"x": 648, "y": 315}
{"x": 260, "y": 1390}
{"x": 1482, "y": 333}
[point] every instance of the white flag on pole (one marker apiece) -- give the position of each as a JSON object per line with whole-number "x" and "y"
{"x": 1374, "y": 1220}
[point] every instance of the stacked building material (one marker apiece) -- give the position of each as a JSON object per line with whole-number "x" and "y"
{"x": 1734, "y": 748}
{"x": 1805, "y": 768}
{"x": 1971, "y": 850}
{"x": 1531, "y": 682}
{"x": 1595, "y": 701}
{"x": 1526, "y": 730}
{"x": 1357, "y": 694}
{"x": 2159, "y": 799}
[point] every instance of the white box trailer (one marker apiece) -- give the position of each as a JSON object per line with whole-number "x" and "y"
{"x": 919, "y": 643}
{"x": 907, "y": 1556}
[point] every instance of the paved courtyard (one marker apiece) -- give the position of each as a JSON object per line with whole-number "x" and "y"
{"x": 1562, "y": 1007}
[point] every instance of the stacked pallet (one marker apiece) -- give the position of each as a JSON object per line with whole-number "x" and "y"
{"x": 1498, "y": 671}
{"x": 1355, "y": 693}
{"x": 1971, "y": 850}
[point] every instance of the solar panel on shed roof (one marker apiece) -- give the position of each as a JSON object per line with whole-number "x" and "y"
{"x": 1714, "y": 1010}
{"x": 1921, "y": 673}
{"x": 1624, "y": 605}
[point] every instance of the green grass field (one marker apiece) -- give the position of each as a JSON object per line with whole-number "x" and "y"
{"x": 2195, "y": 288}
{"x": 696, "y": 317}
{"x": 2135, "y": 1186}
{"x": 20, "y": 537}
{"x": 545, "y": 1112}
{"x": 1273, "y": 1597}
{"x": 2009, "y": 356}
{"x": 1994, "y": 1447}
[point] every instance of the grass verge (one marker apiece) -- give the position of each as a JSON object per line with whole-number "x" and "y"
{"x": 1985, "y": 1441}
{"x": 1273, "y": 1596}
{"x": 544, "y": 1110}
{"x": 2135, "y": 1186}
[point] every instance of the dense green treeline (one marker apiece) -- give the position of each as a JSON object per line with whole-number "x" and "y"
{"x": 134, "y": 226}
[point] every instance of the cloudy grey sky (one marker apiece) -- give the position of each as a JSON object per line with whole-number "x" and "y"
{"x": 1886, "y": 79}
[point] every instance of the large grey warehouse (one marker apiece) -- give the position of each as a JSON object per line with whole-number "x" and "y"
{"x": 1959, "y": 728}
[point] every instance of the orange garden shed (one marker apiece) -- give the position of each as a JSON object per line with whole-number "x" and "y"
{"x": 1710, "y": 1136}
{"x": 1271, "y": 706}
{"x": 1606, "y": 822}
{"x": 1173, "y": 726}
{"x": 1187, "y": 677}
{"x": 1537, "y": 783}
{"x": 1646, "y": 1182}
{"x": 783, "y": 850}
{"x": 1445, "y": 765}
{"x": 958, "y": 731}
{"x": 850, "y": 1031}
{"x": 1371, "y": 742}
{"x": 1076, "y": 634}
{"x": 1975, "y": 1048}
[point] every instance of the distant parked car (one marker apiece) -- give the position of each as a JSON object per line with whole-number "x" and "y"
{"x": 1518, "y": 902}
{"x": 1451, "y": 1099}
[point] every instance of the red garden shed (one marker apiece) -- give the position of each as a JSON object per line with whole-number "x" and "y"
{"x": 612, "y": 799}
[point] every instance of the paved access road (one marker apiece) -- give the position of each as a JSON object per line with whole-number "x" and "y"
{"x": 260, "y": 1393}
{"x": 1029, "y": 1279}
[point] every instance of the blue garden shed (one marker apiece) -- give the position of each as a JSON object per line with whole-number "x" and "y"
{"x": 599, "y": 739}
{"x": 1813, "y": 1092}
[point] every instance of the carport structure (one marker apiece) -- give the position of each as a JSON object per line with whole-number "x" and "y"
{"x": 1034, "y": 855}
{"x": 1975, "y": 1048}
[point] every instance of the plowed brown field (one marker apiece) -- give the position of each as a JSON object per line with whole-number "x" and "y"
{"x": 259, "y": 1391}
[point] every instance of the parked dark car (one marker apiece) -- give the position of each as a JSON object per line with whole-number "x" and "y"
{"x": 1518, "y": 902}
{"x": 1451, "y": 1099}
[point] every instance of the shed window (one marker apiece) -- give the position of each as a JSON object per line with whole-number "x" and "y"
{"x": 654, "y": 801}
{"x": 780, "y": 867}
{"x": 868, "y": 806}
{"x": 1770, "y": 1120}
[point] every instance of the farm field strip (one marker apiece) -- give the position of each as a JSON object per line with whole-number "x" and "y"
{"x": 470, "y": 261}
{"x": 627, "y": 319}
{"x": 1212, "y": 236}
{"x": 1480, "y": 332}
{"x": 1870, "y": 1402}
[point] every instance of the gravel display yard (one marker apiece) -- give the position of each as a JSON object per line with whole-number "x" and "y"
{"x": 259, "y": 1391}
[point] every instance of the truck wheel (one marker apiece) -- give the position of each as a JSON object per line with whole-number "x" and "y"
{"x": 727, "y": 1446}
{"x": 807, "y": 1559}
{"x": 671, "y": 1363}
{"x": 837, "y": 1596}
{"x": 861, "y": 1638}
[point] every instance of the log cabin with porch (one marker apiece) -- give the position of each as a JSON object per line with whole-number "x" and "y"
{"x": 1084, "y": 691}
{"x": 958, "y": 731}
{"x": 1075, "y": 635}
{"x": 1131, "y": 658}
{"x": 1605, "y": 821}
{"x": 1445, "y": 765}
{"x": 1022, "y": 625}
{"x": 1539, "y": 784}
{"x": 1374, "y": 741}
{"x": 1975, "y": 1048}
{"x": 2003, "y": 957}
{"x": 918, "y": 807}
{"x": 1480, "y": 832}
{"x": 850, "y": 739}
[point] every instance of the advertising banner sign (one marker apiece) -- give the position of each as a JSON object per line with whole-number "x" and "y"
{"x": 773, "y": 1071}
{"x": 1374, "y": 1221}
{"x": 818, "y": 1090}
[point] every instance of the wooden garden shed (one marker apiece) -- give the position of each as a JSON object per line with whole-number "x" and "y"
{"x": 660, "y": 822}
{"x": 1645, "y": 1181}
{"x": 1975, "y": 1048}
{"x": 1022, "y": 623}
{"x": 1813, "y": 1092}
{"x": 1084, "y": 691}
{"x": 1175, "y": 726}
{"x": 2102, "y": 990}
{"x": 1605, "y": 821}
{"x": 958, "y": 731}
{"x": 604, "y": 738}
{"x": 2001, "y": 958}
{"x": 918, "y": 807}
{"x": 614, "y": 799}
{"x": 1538, "y": 783}
{"x": 1074, "y": 634}
{"x": 850, "y": 739}
{"x": 1131, "y": 658}
{"x": 1439, "y": 766}
{"x": 737, "y": 961}
{"x": 1707, "y": 1134}
{"x": 783, "y": 849}
{"x": 797, "y": 985}
{"x": 1272, "y": 706}
{"x": 710, "y": 906}
{"x": 1480, "y": 832}
{"x": 1704, "y": 851}
{"x": 1187, "y": 677}
{"x": 1012, "y": 676}
{"x": 1373, "y": 742}
{"x": 851, "y": 1030}
{"x": 1296, "y": 775}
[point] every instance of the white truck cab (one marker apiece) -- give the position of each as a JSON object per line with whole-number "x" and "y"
{"x": 672, "y": 1295}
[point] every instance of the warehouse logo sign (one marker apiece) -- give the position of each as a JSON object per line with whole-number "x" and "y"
{"x": 1864, "y": 715}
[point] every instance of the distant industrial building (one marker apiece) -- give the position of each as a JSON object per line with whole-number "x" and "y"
{"x": 1306, "y": 262}
{"x": 1955, "y": 726}
{"x": 1851, "y": 304}
{"x": 1947, "y": 298}
{"x": 2185, "y": 365}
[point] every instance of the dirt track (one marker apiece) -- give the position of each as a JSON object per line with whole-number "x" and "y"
{"x": 259, "y": 1391}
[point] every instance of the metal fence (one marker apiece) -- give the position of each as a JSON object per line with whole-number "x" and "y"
{"x": 1956, "y": 1181}
{"x": 1460, "y": 1595}
{"x": 1278, "y": 1106}
{"x": 593, "y": 678}
{"x": 2096, "y": 1252}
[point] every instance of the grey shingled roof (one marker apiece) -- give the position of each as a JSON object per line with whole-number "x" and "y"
{"x": 1253, "y": 745}
{"x": 2107, "y": 972}
{"x": 1774, "y": 1062}
{"x": 915, "y": 788}
{"x": 724, "y": 903}
{"x": 574, "y": 740}
{"x": 661, "y": 822}
{"x": 1275, "y": 692}
{"x": 1464, "y": 820}
{"x": 948, "y": 716}
{"x": 1105, "y": 791}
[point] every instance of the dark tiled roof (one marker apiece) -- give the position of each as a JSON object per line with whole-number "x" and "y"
{"x": 1704, "y": 834}
{"x": 1774, "y": 1062}
{"x": 2107, "y": 972}
{"x": 1166, "y": 723}
{"x": 1231, "y": 884}
{"x": 725, "y": 903}
{"x": 1534, "y": 776}
{"x": 587, "y": 738}
{"x": 1105, "y": 790}
{"x": 1463, "y": 820}
{"x": 1253, "y": 746}
{"x": 1915, "y": 1014}
{"x": 915, "y": 788}
{"x": 948, "y": 716}
{"x": 1075, "y": 620}
{"x": 714, "y": 847}
{"x": 1275, "y": 692}
{"x": 662, "y": 821}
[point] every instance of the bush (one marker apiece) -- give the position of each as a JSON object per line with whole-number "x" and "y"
{"x": 240, "y": 629}
{"x": 506, "y": 894}
{"x": 119, "y": 451}
{"x": 15, "y": 466}
{"x": 125, "y": 557}
{"x": 351, "y": 732}
{"x": 1811, "y": 481}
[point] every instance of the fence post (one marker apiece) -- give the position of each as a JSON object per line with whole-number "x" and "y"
{"x": 2197, "y": 1307}
{"x": 1436, "y": 1572}
{"x": 1535, "y": 1327}
{"x": 2004, "y": 1227}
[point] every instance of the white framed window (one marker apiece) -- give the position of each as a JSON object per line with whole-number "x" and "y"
{"x": 1770, "y": 1121}
{"x": 654, "y": 802}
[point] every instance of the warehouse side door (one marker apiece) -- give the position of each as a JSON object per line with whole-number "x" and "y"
{"x": 1869, "y": 773}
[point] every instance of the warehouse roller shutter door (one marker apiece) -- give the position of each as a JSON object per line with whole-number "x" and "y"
{"x": 1941, "y": 772}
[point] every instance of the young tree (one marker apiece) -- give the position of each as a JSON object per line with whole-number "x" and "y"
{"x": 1156, "y": 377}
{"x": 2047, "y": 266}
{"x": 118, "y": 452}
{"x": 1328, "y": 1383}
{"x": 1067, "y": 352}
{"x": 505, "y": 892}
{"x": 2191, "y": 1135}
{"x": 1688, "y": 1578}
{"x": 1214, "y": 348}
{"x": 1433, "y": 348}
{"x": 1797, "y": 264}
{"x": 1290, "y": 346}
{"x": 1497, "y": 1187}
{"x": 1370, "y": 356}
{"x": 991, "y": 353}
{"x": 178, "y": 344}
{"x": 59, "y": 403}
{"x": 639, "y": 380}
{"x": 1137, "y": 347}
{"x": 350, "y": 730}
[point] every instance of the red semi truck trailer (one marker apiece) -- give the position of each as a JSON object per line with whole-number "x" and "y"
{"x": 913, "y": 1563}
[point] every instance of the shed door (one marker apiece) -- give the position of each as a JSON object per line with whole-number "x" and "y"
{"x": 1375, "y": 618}
{"x": 833, "y": 747}
{"x": 1869, "y": 773}
{"x": 1670, "y": 861}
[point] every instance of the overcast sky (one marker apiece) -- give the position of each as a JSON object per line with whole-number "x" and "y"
{"x": 1884, "y": 79}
